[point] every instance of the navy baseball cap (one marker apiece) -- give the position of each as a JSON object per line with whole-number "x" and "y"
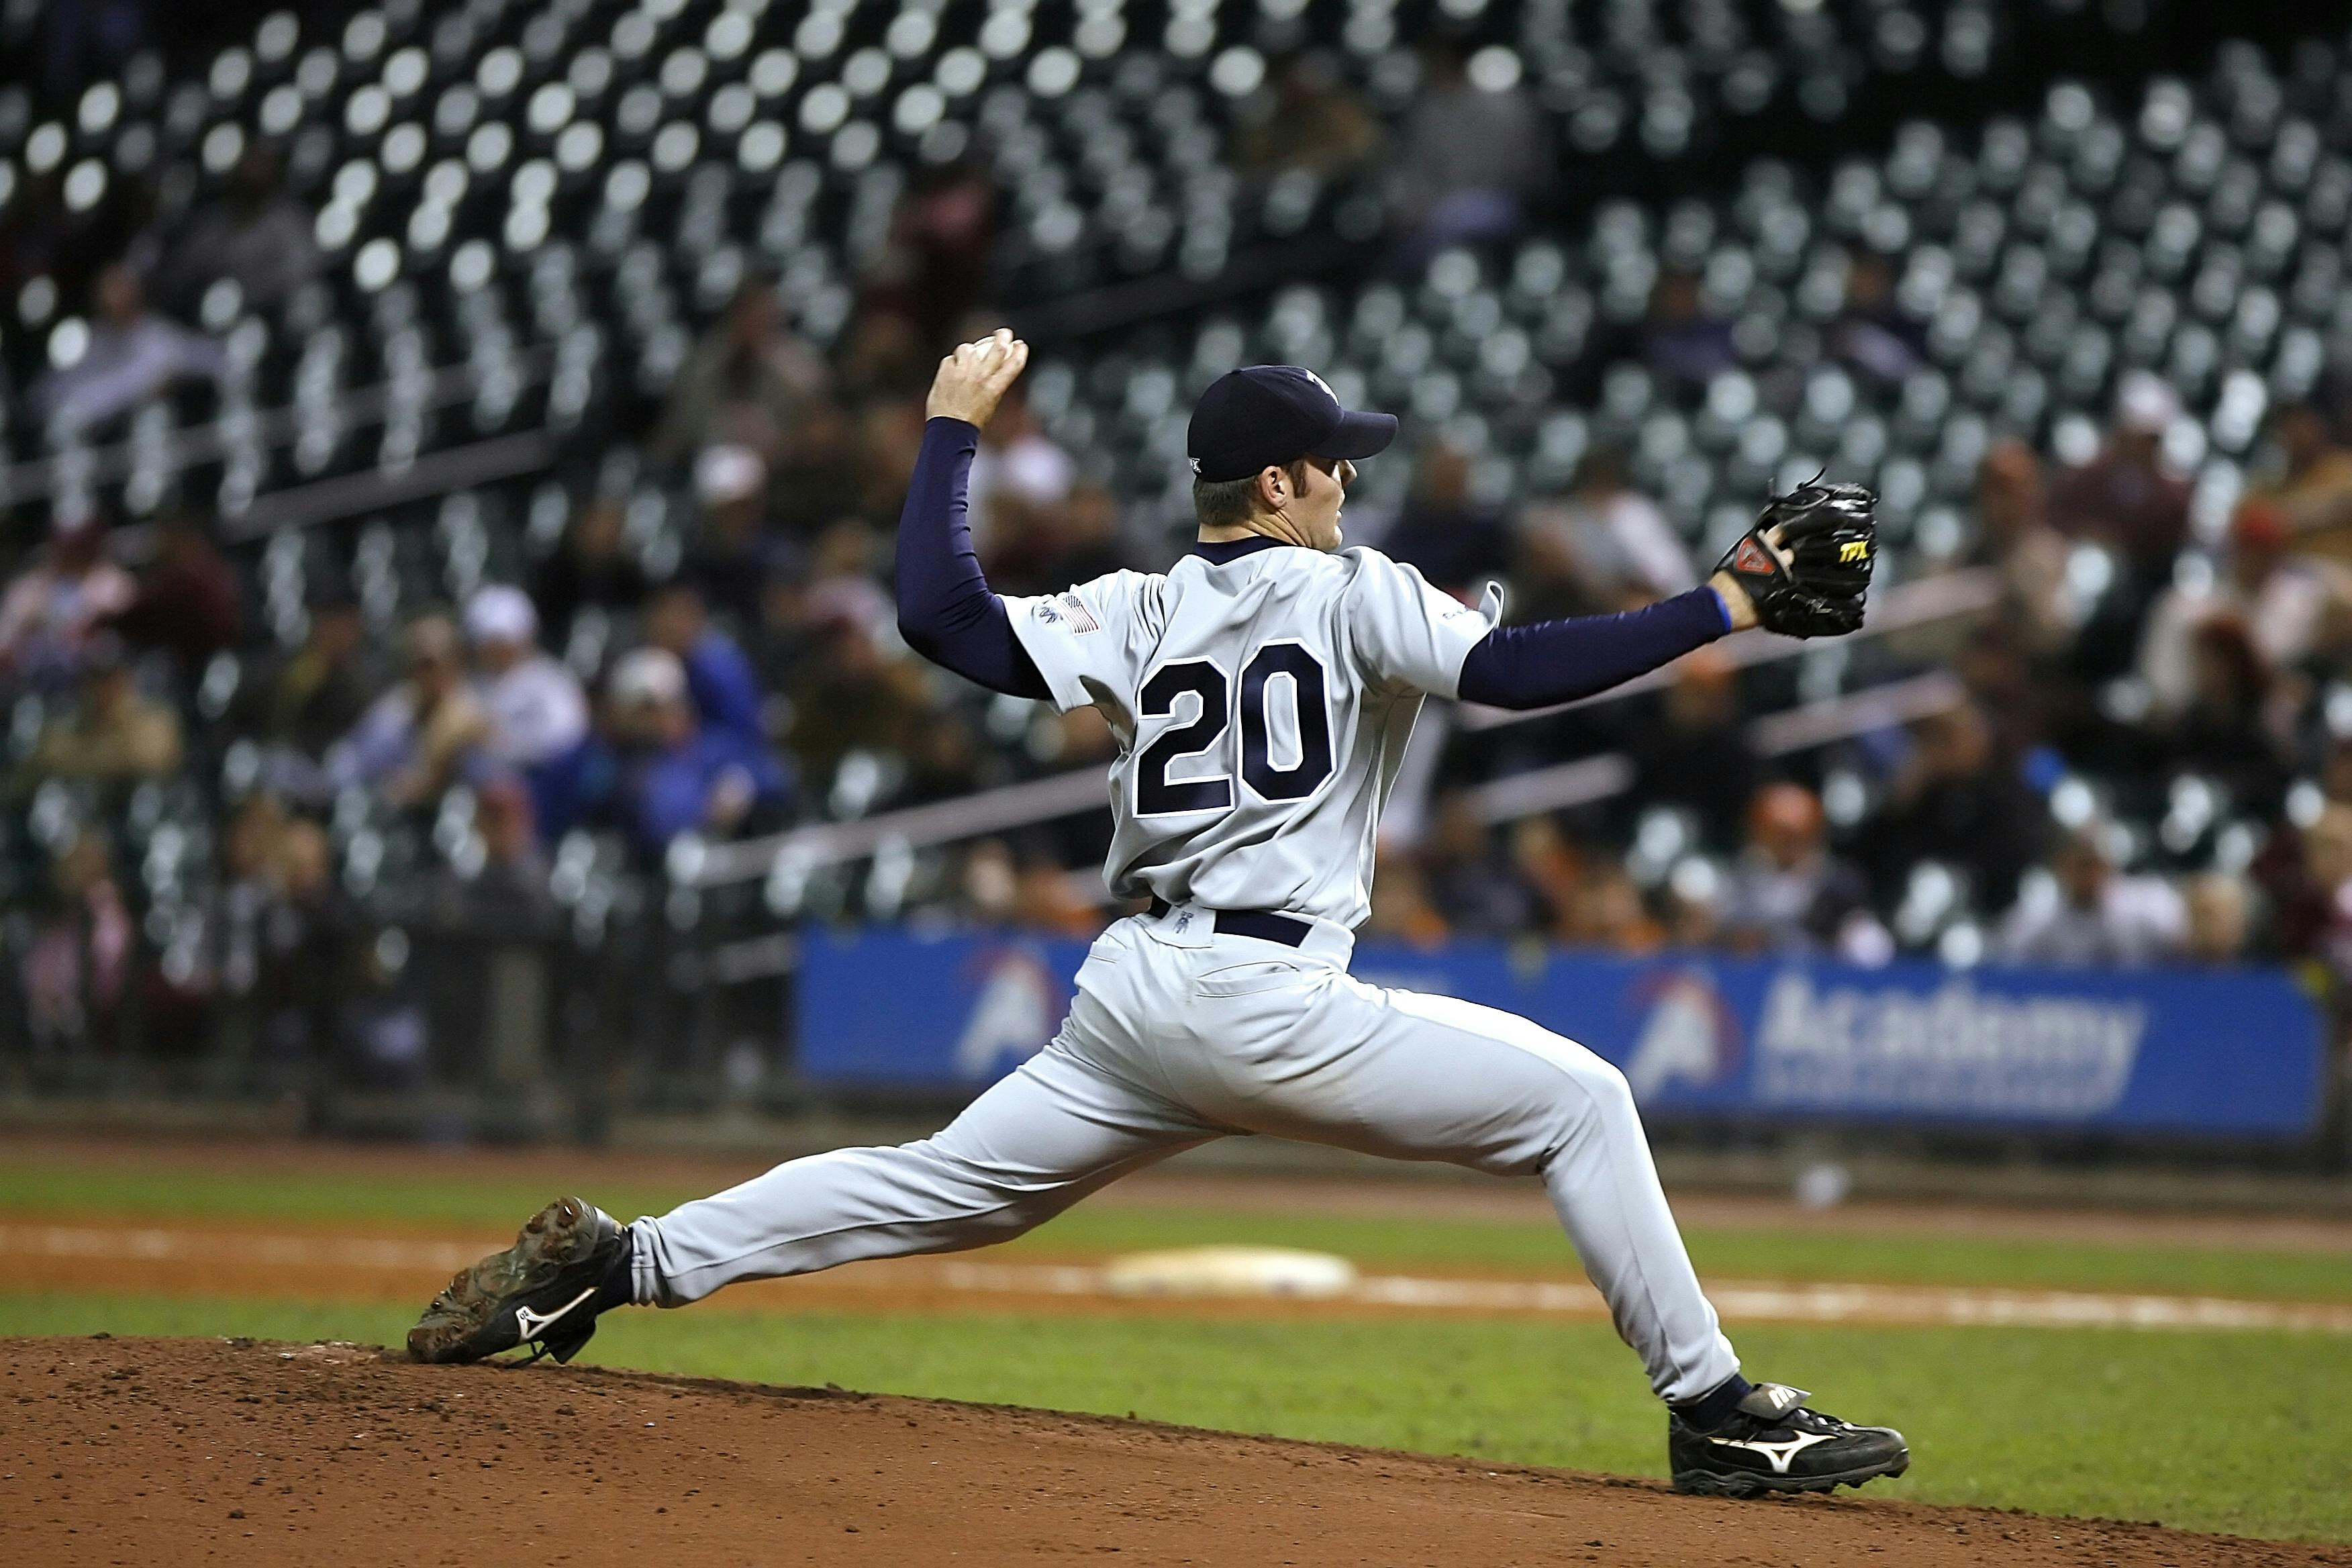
{"x": 1268, "y": 415}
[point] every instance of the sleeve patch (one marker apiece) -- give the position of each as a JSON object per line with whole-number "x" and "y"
{"x": 1068, "y": 612}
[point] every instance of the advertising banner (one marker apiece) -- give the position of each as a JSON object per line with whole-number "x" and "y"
{"x": 2234, "y": 1053}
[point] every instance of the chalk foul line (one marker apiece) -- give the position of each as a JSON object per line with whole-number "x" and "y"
{"x": 1737, "y": 1301}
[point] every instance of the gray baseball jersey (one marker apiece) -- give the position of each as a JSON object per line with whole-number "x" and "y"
{"x": 1262, "y": 707}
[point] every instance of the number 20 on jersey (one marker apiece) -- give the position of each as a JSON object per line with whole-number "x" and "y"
{"x": 1277, "y": 672}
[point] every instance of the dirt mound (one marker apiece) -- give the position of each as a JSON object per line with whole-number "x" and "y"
{"x": 125, "y": 1450}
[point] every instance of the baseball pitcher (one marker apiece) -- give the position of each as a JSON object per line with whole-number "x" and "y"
{"x": 1262, "y": 692}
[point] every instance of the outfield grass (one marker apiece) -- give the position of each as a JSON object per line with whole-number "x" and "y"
{"x": 1754, "y": 1253}
{"x": 2245, "y": 1432}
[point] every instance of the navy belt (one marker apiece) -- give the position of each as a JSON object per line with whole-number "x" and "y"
{"x": 1264, "y": 924}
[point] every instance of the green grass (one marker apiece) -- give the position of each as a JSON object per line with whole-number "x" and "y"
{"x": 2075, "y": 1421}
{"x": 1730, "y": 1253}
{"x": 1401, "y": 1242}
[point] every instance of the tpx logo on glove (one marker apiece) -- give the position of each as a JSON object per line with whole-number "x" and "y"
{"x": 1854, "y": 549}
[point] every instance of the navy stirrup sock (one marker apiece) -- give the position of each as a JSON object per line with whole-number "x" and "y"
{"x": 1711, "y": 1409}
{"x": 618, "y": 1287}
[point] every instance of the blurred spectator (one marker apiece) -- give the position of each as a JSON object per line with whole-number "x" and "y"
{"x": 2024, "y": 702}
{"x": 1609, "y": 912}
{"x": 112, "y": 735}
{"x": 594, "y": 568}
{"x": 1873, "y": 334}
{"x": 2321, "y": 877}
{"x": 989, "y": 888}
{"x": 2309, "y": 481}
{"x": 1017, "y": 473}
{"x": 1471, "y": 157}
{"x": 1457, "y": 541}
{"x": 323, "y": 687}
{"x": 538, "y": 714}
{"x": 511, "y": 886}
{"x": 537, "y": 710}
{"x": 2283, "y": 602}
{"x": 415, "y": 740}
{"x": 1056, "y": 547}
{"x": 2088, "y": 913}
{"x": 254, "y": 235}
{"x": 306, "y": 949}
{"x": 54, "y": 606}
{"x": 1401, "y": 907}
{"x": 720, "y": 678}
{"x": 1473, "y": 885}
{"x": 1604, "y": 546}
{"x": 1955, "y": 800}
{"x": 382, "y": 1026}
{"x": 743, "y": 383}
{"x": 1698, "y": 755}
{"x": 1590, "y": 900}
{"x": 1685, "y": 343}
{"x": 884, "y": 355}
{"x": 853, "y": 696}
{"x": 1693, "y": 902}
{"x": 2220, "y": 918}
{"x": 1311, "y": 120}
{"x": 2124, "y": 498}
{"x": 949, "y": 757}
{"x": 133, "y": 354}
{"x": 2014, "y": 537}
{"x": 889, "y": 439}
{"x": 843, "y": 587}
{"x": 1049, "y": 898}
{"x": 2224, "y": 732}
{"x": 1551, "y": 866}
{"x": 818, "y": 478}
{"x": 187, "y": 601}
{"x": 2298, "y": 871}
{"x": 678, "y": 774}
{"x": 504, "y": 898}
{"x": 1789, "y": 894}
{"x": 275, "y": 957}
{"x": 78, "y": 965}
{"x": 931, "y": 269}
{"x": 732, "y": 561}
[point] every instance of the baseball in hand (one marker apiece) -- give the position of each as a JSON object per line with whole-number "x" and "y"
{"x": 972, "y": 381}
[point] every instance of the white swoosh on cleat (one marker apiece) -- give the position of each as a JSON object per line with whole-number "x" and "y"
{"x": 532, "y": 1325}
{"x": 1778, "y": 1454}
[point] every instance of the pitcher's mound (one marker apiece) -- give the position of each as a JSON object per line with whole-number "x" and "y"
{"x": 188, "y": 1452}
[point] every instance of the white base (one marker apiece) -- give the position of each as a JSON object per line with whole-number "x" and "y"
{"x": 1231, "y": 1271}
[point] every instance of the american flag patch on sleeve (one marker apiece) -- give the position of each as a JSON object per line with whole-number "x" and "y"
{"x": 1068, "y": 612}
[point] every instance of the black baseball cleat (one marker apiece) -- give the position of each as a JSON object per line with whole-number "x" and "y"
{"x": 1771, "y": 1443}
{"x": 545, "y": 1290}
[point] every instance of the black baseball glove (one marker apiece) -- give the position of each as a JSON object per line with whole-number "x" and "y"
{"x": 1806, "y": 564}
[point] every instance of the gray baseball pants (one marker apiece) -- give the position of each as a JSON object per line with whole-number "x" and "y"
{"x": 1178, "y": 1036}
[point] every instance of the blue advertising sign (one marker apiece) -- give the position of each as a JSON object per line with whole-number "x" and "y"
{"x": 2238, "y": 1053}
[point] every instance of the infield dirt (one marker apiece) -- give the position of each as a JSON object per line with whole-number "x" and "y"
{"x": 187, "y": 1451}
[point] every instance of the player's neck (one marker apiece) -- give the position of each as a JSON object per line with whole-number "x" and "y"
{"x": 1276, "y": 526}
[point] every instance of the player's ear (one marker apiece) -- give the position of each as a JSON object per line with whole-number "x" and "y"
{"x": 1273, "y": 487}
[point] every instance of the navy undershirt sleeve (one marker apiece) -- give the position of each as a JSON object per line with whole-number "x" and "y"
{"x": 1549, "y": 662}
{"x": 946, "y": 611}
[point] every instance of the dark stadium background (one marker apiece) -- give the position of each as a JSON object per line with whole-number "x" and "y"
{"x": 411, "y": 300}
